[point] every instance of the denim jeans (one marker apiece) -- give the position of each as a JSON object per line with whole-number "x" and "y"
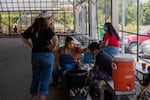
{"x": 95, "y": 77}
{"x": 42, "y": 67}
{"x": 67, "y": 63}
{"x": 58, "y": 75}
{"x": 111, "y": 50}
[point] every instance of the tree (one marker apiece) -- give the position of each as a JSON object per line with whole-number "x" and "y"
{"x": 145, "y": 13}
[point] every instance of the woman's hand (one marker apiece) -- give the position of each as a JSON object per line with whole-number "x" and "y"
{"x": 54, "y": 43}
{"x": 51, "y": 47}
{"x": 104, "y": 44}
{"x": 59, "y": 67}
{"x": 95, "y": 68}
{"x": 86, "y": 50}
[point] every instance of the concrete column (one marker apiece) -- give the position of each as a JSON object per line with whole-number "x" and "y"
{"x": 77, "y": 21}
{"x": 92, "y": 19}
{"x": 115, "y": 14}
{"x": 123, "y": 25}
{"x": 83, "y": 20}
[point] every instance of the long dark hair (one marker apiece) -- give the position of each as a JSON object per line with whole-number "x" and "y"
{"x": 111, "y": 30}
{"x": 38, "y": 24}
{"x": 68, "y": 40}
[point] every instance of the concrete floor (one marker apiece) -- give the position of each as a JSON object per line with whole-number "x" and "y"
{"x": 15, "y": 72}
{"x": 15, "y": 69}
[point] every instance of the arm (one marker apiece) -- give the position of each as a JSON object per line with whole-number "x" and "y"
{"x": 82, "y": 50}
{"x": 27, "y": 42}
{"x": 105, "y": 40}
{"x": 104, "y": 43}
{"x": 54, "y": 43}
{"x": 95, "y": 68}
{"x": 57, "y": 59}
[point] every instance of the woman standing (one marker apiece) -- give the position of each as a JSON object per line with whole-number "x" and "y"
{"x": 110, "y": 43}
{"x": 41, "y": 36}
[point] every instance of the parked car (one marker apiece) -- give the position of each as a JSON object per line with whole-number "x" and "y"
{"x": 145, "y": 47}
{"x": 131, "y": 40}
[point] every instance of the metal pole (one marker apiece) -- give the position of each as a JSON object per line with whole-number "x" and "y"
{"x": 123, "y": 24}
{"x": 138, "y": 24}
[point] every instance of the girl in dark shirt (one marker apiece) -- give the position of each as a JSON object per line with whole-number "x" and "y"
{"x": 42, "y": 60}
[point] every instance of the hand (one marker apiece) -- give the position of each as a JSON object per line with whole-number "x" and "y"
{"x": 51, "y": 48}
{"x": 95, "y": 68}
{"x": 87, "y": 50}
{"x": 59, "y": 68}
{"x": 142, "y": 88}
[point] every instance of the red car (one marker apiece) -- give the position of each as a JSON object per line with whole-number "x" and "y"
{"x": 131, "y": 40}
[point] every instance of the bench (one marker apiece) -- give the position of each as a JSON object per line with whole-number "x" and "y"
{"x": 109, "y": 85}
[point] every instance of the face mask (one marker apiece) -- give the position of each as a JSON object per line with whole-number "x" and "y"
{"x": 105, "y": 29}
{"x": 70, "y": 45}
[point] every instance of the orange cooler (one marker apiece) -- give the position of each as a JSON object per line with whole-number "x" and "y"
{"x": 123, "y": 72}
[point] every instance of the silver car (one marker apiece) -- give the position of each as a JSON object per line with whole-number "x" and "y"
{"x": 145, "y": 47}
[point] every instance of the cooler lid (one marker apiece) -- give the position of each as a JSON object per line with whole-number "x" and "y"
{"x": 124, "y": 57}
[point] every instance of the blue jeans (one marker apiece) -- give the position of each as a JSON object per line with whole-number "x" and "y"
{"x": 58, "y": 75}
{"x": 111, "y": 50}
{"x": 67, "y": 63}
{"x": 42, "y": 67}
{"x": 95, "y": 77}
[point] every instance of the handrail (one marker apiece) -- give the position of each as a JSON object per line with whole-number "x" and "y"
{"x": 144, "y": 59}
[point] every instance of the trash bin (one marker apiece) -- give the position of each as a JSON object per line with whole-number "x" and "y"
{"x": 101, "y": 32}
{"x": 75, "y": 78}
{"x": 61, "y": 42}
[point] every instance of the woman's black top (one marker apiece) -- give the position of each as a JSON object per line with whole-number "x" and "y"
{"x": 39, "y": 39}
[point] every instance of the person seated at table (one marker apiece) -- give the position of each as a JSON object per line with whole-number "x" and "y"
{"x": 145, "y": 89}
{"x": 66, "y": 59}
{"x": 102, "y": 69}
{"x": 110, "y": 42}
